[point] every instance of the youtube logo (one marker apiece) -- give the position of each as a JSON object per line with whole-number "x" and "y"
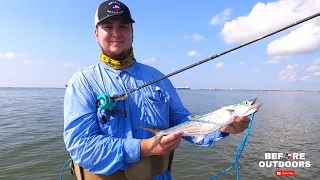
{"x": 284, "y": 172}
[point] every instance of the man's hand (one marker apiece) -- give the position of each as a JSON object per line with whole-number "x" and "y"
{"x": 167, "y": 144}
{"x": 238, "y": 126}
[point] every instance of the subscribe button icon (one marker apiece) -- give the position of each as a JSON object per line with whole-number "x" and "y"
{"x": 284, "y": 172}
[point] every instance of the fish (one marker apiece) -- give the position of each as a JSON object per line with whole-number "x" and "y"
{"x": 201, "y": 125}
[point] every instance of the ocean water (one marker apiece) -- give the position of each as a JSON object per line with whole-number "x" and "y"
{"x": 31, "y": 142}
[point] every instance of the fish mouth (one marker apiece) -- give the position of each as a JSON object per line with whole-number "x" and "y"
{"x": 255, "y": 107}
{"x": 251, "y": 106}
{"x": 253, "y": 101}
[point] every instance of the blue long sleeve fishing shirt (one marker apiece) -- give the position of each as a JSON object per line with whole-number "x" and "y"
{"x": 107, "y": 148}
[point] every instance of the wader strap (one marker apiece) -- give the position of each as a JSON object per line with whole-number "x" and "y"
{"x": 170, "y": 161}
{"x": 81, "y": 173}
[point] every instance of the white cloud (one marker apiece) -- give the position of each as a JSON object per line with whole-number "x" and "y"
{"x": 221, "y": 17}
{"x": 149, "y": 60}
{"x": 193, "y": 53}
{"x": 68, "y": 64}
{"x": 10, "y": 55}
{"x": 265, "y": 18}
{"x": 242, "y": 63}
{"x": 276, "y": 59}
{"x": 31, "y": 62}
{"x": 316, "y": 73}
{"x": 289, "y": 73}
{"x": 305, "y": 78}
{"x": 272, "y": 61}
{"x": 255, "y": 70}
{"x": 304, "y": 39}
{"x": 317, "y": 61}
{"x": 314, "y": 68}
{"x": 195, "y": 37}
{"x": 220, "y": 65}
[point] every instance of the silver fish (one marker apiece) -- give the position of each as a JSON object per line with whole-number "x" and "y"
{"x": 200, "y": 126}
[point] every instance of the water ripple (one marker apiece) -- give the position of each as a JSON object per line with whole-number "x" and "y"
{"x": 32, "y": 144}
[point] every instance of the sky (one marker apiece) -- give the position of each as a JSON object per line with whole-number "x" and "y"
{"x": 43, "y": 43}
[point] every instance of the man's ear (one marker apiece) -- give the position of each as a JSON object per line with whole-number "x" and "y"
{"x": 96, "y": 33}
{"x": 132, "y": 33}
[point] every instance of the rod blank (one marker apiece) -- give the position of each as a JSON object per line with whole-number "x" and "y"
{"x": 218, "y": 55}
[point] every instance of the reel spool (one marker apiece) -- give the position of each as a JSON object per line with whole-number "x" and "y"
{"x": 104, "y": 101}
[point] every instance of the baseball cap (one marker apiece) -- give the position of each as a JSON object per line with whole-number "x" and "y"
{"x": 112, "y": 8}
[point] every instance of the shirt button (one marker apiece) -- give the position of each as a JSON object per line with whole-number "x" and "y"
{"x": 136, "y": 130}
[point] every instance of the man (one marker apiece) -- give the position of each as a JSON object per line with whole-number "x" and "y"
{"x": 110, "y": 145}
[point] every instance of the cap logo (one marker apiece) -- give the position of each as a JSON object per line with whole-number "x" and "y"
{"x": 116, "y": 8}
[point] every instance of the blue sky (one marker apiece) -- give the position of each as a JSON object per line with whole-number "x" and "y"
{"x": 43, "y": 43}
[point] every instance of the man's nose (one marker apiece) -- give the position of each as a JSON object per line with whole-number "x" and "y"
{"x": 116, "y": 31}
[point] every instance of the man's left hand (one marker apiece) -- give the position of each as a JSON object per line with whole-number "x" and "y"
{"x": 238, "y": 126}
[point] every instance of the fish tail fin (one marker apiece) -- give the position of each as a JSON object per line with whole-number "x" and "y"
{"x": 154, "y": 130}
{"x": 199, "y": 138}
{"x": 158, "y": 137}
{"x": 156, "y": 142}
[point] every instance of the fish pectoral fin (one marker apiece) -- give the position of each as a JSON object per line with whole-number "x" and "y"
{"x": 154, "y": 130}
{"x": 199, "y": 138}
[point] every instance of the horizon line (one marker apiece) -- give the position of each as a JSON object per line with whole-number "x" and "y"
{"x": 183, "y": 88}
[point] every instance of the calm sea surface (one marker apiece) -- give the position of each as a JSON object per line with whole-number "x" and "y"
{"x": 31, "y": 142}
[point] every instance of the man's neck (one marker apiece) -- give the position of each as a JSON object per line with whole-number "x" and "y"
{"x": 119, "y": 57}
{"x": 120, "y": 63}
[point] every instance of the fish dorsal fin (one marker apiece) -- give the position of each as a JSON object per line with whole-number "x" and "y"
{"x": 199, "y": 138}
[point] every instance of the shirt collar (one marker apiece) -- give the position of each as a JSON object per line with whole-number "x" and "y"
{"x": 132, "y": 70}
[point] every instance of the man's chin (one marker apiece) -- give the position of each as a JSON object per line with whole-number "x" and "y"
{"x": 117, "y": 54}
{"x": 116, "y": 50}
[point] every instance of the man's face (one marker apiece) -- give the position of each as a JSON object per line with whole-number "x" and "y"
{"x": 115, "y": 37}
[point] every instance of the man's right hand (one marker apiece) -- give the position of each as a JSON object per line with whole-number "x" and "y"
{"x": 167, "y": 144}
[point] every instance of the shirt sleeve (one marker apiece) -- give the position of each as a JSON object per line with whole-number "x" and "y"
{"x": 94, "y": 151}
{"x": 179, "y": 114}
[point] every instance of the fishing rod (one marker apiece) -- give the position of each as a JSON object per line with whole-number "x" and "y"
{"x": 105, "y": 101}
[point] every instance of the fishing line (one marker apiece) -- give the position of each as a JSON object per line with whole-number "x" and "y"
{"x": 123, "y": 96}
{"x": 238, "y": 153}
{"x": 64, "y": 166}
